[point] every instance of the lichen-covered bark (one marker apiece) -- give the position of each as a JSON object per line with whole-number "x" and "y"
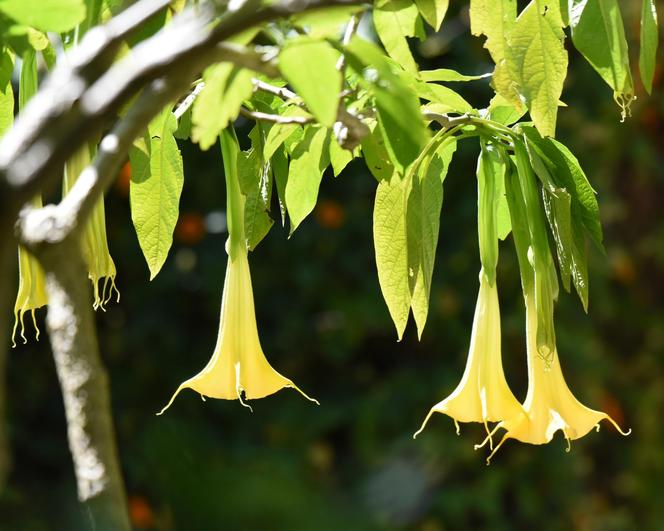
{"x": 84, "y": 385}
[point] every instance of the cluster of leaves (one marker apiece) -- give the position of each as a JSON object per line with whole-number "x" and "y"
{"x": 413, "y": 121}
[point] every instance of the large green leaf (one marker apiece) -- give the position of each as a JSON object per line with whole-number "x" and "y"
{"x": 255, "y": 179}
{"x": 433, "y": 11}
{"x": 394, "y": 21}
{"x": 422, "y": 226}
{"x": 156, "y": 183}
{"x": 391, "y": 246}
{"x": 537, "y": 61}
{"x": 218, "y": 104}
{"x": 310, "y": 158}
{"x": 598, "y": 33}
{"x": 649, "y": 43}
{"x": 399, "y": 118}
{"x": 406, "y": 225}
{"x": 45, "y": 15}
{"x": 310, "y": 67}
{"x": 495, "y": 19}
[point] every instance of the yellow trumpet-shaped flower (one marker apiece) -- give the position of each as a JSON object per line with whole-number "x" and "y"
{"x": 550, "y": 405}
{"x": 483, "y": 394}
{"x": 31, "y": 288}
{"x": 94, "y": 243}
{"x": 238, "y": 364}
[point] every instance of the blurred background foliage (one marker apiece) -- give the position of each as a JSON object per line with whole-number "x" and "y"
{"x": 351, "y": 463}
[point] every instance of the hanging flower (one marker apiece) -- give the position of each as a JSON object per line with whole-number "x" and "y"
{"x": 238, "y": 364}
{"x": 483, "y": 394}
{"x": 94, "y": 243}
{"x": 31, "y": 288}
{"x": 550, "y": 405}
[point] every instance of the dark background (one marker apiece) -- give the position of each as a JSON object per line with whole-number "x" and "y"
{"x": 351, "y": 463}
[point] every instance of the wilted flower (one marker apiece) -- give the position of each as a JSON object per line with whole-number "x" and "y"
{"x": 94, "y": 244}
{"x": 238, "y": 364}
{"x": 483, "y": 394}
{"x": 550, "y": 405}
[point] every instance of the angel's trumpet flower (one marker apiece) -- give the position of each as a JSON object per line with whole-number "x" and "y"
{"x": 94, "y": 243}
{"x": 238, "y": 365}
{"x": 483, "y": 394}
{"x": 550, "y": 405}
{"x": 31, "y": 288}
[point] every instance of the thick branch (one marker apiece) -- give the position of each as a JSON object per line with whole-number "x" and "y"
{"x": 84, "y": 385}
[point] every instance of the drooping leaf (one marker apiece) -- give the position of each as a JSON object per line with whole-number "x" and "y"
{"x": 568, "y": 174}
{"x": 376, "y": 156}
{"x": 423, "y": 223}
{"x": 399, "y": 118}
{"x": 278, "y": 133}
{"x": 156, "y": 183}
{"x": 339, "y": 157}
{"x": 394, "y": 21}
{"x": 218, "y": 104}
{"x": 433, "y": 11}
{"x": 598, "y": 33}
{"x": 309, "y": 160}
{"x": 279, "y": 163}
{"x": 537, "y": 62}
{"x": 649, "y": 43}
{"x": 310, "y": 67}
{"x": 503, "y": 112}
{"x": 391, "y": 246}
{"x": 45, "y": 15}
{"x": 495, "y": 19}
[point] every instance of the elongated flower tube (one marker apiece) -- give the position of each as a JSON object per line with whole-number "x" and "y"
{"x": 31, "y": 288}
{"x": 550, "y": 405}
{"x": 238, "y": 365}
{"x": 483, "y": 394}
{"x": 94, "y": 243}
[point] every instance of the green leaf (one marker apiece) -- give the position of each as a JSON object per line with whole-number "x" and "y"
{"x": 391, "y": 246}
{"x": 255, "y": 179}
{"x": 433, "y": 11}
{"x": 218, "y": 104}
{"x": 46, "y": 15}
{"x": 309, "y": 160}
{"x": 423, "y": 223}
{"x": 339, "y": 157}
{"x": 376, "y": 156}
{"x": 537, "y": 61}
{"x": 598, "y": 33}
{"x": 495, "y": 19}
{"x": 326, "y": 22}
{"x": 6, "y": 92}
{"x": 399, "y": 118}
{"x": 156, "y": 183}
{"x": 649, "y": 43}
{"x": 395, "y": 20}
{"x": 447, "y": 99}
{"x": 310, "y": 67}
{"x": 29, "y": 81}
{"x": 503, "y": 112}
{"x": 278, "y": 133}
{"x": 279, "y": 163}
{"x": 447, "y": 74}
{"x": 567, "y": 173}
{"x": 519, "y": 222}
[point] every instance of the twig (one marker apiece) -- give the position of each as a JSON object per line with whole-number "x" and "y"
{"x": 276, "y": 118}
{"x": 188, "y": 101}
{"x": 351, "y": 28}
{"x": 282, "y": 92}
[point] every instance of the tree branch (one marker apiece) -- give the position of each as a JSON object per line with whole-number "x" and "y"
{"x": 275, "y": 118}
